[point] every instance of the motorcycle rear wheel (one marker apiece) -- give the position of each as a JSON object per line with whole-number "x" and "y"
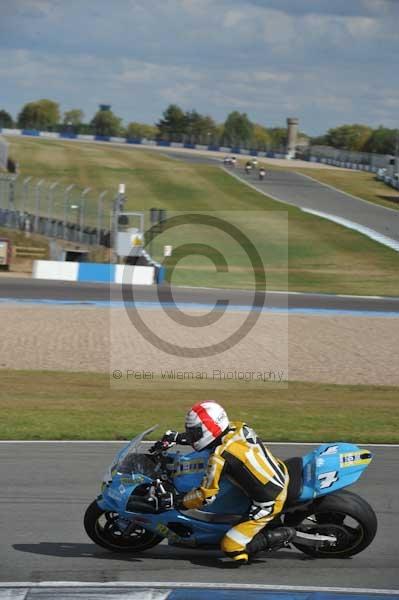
{"x": 102, "y": 529}
{"x": 344, "y": 515}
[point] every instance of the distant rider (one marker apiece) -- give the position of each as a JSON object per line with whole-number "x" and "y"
{"x": 238, "y": 453}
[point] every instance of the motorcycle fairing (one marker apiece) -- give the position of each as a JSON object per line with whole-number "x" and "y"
{"x": 326, "y": 469}
{"x": 332, "y": 467}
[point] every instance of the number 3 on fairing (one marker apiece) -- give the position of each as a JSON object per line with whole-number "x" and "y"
{"x": 327, "y": 479}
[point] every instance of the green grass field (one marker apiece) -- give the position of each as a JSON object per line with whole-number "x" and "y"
{"x": 358, "y": 183}
{"x": 59, "y": 405}
{"x": 322, "y": 256}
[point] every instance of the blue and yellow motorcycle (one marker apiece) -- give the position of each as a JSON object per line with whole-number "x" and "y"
{"x": 131, "y": 515}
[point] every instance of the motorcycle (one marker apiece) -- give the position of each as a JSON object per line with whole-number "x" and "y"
{"x": 129, "y": 517}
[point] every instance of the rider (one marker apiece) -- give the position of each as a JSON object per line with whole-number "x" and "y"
{"x": 236, "y": 451}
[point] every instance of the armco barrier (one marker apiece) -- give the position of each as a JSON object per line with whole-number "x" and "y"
{"x": 93, "y": 272}
{"x": 53, "y": 269}
{"x": 143, "y": 142}
{"x": 211, "y": 147}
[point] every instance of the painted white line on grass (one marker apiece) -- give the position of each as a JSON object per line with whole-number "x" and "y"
{"x": 345, "y": 193}
{"x": 180, "y": 584}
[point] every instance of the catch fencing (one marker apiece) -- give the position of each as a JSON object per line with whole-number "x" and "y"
{"x": 55, "y": 210}
{"x": 384, "y": 166}
{"x": 366, "y": 161}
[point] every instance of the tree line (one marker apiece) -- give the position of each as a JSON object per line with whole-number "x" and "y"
{"x": 175, "y": 125}
{"x": 361, "y": 138}
{"x": 191, "y": 127}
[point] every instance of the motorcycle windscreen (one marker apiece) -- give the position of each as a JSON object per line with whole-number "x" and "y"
{"x": 138, "y": 464}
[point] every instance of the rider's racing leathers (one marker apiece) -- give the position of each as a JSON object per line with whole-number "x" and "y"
{"x": 241, "y": 455}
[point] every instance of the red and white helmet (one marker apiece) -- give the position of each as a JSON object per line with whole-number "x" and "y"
{"x": 205, "y": 422}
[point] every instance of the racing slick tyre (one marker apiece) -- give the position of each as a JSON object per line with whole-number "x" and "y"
{"x": 102, "y": 528}
{"x": 344, "y": 515}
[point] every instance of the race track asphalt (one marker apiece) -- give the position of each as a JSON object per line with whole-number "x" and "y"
{"x": 36, "y": 289}
{"x": 46, "y": 488}
{"x": 307, "y": 193}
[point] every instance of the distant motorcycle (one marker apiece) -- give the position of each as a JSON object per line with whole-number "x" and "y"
{"x": 262, "y": 174}
{"x": 248, "y": 167}
{"x": 135, "y": 511}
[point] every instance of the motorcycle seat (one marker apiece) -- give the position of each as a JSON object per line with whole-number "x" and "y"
{"x": 294, "y": 466}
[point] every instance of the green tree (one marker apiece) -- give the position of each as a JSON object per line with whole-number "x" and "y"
{"x": 42, "y": 114}
{"x": 141, "y": 130}
{"x": 320, "y": 140}
{"x": 173, "y": 124}
{"x": 278, "y": 138}
{"x": 73, "y": 117}
{"x": 238, "y": 129}
{"x": 382, "y": 141}
{"x": 6, "y": 119}
{"x": 261, "y": 139}
{"x": 106, "y": 123}
{"x": 219, "y": 134}
{"x": 349, "y": 137}
{"x": 200, "y": 129}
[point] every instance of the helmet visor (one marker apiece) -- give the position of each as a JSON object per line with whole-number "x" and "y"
{"x": 194, "y": 434}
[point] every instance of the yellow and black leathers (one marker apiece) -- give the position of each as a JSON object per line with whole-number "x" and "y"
{"x": 242, "y": 456}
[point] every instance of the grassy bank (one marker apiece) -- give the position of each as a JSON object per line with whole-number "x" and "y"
{"x": 322, "y": 256}
{"x": 358, "y": 183}
{"x": 60, "y": 405}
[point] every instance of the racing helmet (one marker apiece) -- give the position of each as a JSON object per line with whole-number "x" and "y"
{"x": 205, "y": 422}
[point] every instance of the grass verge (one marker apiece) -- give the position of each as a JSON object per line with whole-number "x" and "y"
{"x": 358, "y": 183}
{"x": 39, "y": 405}
{"x": 322, "y": 256}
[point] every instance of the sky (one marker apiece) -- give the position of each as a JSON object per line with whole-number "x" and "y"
{"x": 327, "y": 62}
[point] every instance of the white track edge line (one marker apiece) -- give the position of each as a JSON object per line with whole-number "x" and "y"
{"x": 268, "y": 195}
{"x": 345, "y": 193}
{"x": 288, "y": 293}
{"x": 178, "y": 584}
{"x": 311, "y": 211}
{"x": 153, "y": 441}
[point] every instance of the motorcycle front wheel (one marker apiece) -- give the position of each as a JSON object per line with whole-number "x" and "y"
{"x": 343, "y": 515}
{"x": 101, "y": 527}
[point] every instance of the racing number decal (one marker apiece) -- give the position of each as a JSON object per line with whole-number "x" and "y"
{"x": 327, "y": 479}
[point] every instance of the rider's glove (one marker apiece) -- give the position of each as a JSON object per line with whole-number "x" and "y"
{"x": 169, "y": 439}
{"x": 259, "y": 510}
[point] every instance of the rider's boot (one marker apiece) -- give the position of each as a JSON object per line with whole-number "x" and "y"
{"x": 236, "y": 559}
{"x": 271, "y": 539}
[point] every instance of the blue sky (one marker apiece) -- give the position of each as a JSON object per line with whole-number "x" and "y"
{"x": 327, "y": 62}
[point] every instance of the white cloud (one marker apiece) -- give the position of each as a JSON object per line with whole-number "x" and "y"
{"x": 233, "y": 18}
{"x": 328, "y": 61}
